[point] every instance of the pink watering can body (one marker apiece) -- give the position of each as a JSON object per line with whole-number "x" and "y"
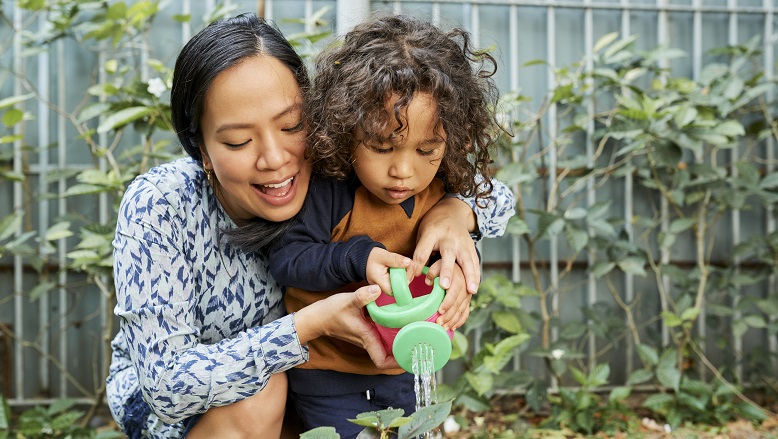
{"x": 406, "y": 320}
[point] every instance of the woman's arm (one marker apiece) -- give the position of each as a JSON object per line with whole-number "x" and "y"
{"x": 157, "y": 294}
{"x": 450, "y": 228}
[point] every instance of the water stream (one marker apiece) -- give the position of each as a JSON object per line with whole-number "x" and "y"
{"x": 424, "y": 384}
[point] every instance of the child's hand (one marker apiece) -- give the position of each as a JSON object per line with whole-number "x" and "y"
{"x": 378, "y": 263}
{"x": 455, "y": 308}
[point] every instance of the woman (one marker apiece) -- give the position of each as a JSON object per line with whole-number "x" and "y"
{"x": 203, "y": 338}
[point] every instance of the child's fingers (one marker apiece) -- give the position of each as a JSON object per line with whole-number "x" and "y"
{"x": 385, "y": 285}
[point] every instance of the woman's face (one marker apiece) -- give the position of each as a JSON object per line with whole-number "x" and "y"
{"x": 254, "y": 140}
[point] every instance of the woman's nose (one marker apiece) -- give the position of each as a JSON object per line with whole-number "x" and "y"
{"x": 273, "y": 154}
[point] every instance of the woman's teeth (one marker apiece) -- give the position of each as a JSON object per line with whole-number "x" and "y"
{"x": 278, "y": 185}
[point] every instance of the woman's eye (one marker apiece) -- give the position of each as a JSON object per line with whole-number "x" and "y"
{"x": 426, "y": 152}
{"x": 294, "y": 129}
{"x": 382, "y": 150}
{"x": 237, "y": 145}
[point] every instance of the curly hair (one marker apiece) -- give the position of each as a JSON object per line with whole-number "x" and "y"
{"x": 401, "y": 56}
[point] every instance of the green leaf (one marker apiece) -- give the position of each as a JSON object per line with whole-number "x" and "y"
{"x": 658, "y": 402}
{"x": 576, "y": 237}
{"x": 182, "y": 18}
{"x": 755, "y": 321}
{"x": 517, "y": 226}
{"x": 685, "y": 115}
{"x": 619, "y": 393}
{"x": 648, "y": 354}
{"x": 481, "y": 382}
{"x": 58, "y": 231}
{"x": 12, "y": 117}
{"x": 578, "y": 375}
{"x": 123, "y": 117}
{"x": 667, "y": 372}
{"x": 502, "y": 352}
{"x": 60, "y": 406}
{"x": 459, "y": 345}
{"x": 93, "y": 110}
{"x": 573, "y": 330}
{"x": 424, "y": 420}
{"x": 41, "y": 289}
{"x": 13, "y": 100}
{"x": 770, "y": 181}
{"x": 599, "y": 375}
{"x": 9, "y": 224}
{"x": 639, "y": 376}
{"x": 604, "y": 41}
{"x": 321, "y": 433}
{"x": 682, "y": 224}
{"x": 730, "y": 128}
{"x": 600, "y": 269}
{"x": 632, "y": 265}
{"x": 549, "y": 225}
{"x": 508, "y": 321}
{"x": 690, "y": 314}
{"x": 752, "y": 412}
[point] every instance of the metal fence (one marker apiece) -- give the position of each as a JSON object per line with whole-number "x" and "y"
{"x": 59, "y": 350}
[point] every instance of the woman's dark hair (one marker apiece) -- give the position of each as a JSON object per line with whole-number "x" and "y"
{"x": 400, "y": 56}
{"x": 221, "y": 45}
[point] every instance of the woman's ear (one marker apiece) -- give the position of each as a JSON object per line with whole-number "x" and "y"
{"x": 206, "y": 159}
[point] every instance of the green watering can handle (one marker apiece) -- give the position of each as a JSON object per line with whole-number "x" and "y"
{"x": 400, "y": 290}
{"x": 406, "y": 309}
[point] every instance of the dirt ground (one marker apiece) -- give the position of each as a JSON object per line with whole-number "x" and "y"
{"x": 511, "y": 418}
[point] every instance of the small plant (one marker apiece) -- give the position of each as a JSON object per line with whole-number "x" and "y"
{"x": 391, "y": 423}
{"x": 59, "y": 420}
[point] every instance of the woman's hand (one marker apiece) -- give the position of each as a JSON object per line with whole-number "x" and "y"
{"x": 340, "y": 316}
{"x": 455, "y": 307}
{"x": 446, "y": 228}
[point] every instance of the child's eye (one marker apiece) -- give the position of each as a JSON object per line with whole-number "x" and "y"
{"x": 426, "y": 152}
{"x": 295, "y": 129}
{"x": 237, "y": 145}
{"x": 381, "y": 150}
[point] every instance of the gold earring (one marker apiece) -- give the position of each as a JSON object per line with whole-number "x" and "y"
{"x": 209, "y": 176}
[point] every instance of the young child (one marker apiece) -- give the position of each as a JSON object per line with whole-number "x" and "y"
{"x": 399, "y": 115}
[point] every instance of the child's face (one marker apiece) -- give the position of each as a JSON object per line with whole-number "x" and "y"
{"x": 405, "y": 163}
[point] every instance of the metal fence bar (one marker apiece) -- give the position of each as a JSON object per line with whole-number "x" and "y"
{"x": 44, "y": 323}
{"x": 186, "y": 28}
{"x": 769, "y": 69}
{"x": 513, "y": 18}
{"x": 629, "y": 212}
{"x": 662, "y": 38}
{"x": 552, "y": 172}
{"x": 62, "y": 278}
{"x": 699, "y": 158}
{"x": 735, "y": 230}
{"x": 664, "y": 7}
{"x": 18, "y": 208}
{"x": 102, "y": 356}
{"x": 591, "y": 283}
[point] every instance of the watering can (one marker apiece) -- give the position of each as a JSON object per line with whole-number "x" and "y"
{"x": 406, "y": 320}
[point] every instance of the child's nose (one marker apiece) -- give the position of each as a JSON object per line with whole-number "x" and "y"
{"x": 401, "y": 169}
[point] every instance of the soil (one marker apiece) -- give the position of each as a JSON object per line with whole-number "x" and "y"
{"x": 510, "y": 417}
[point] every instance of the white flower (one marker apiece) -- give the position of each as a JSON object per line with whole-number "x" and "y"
{"x": 450, "y": 425}
{"x": 156, "y": 86}
{"x": 557, "y": 353}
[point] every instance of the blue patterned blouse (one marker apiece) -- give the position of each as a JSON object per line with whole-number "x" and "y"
{"x": 201, "y": 324}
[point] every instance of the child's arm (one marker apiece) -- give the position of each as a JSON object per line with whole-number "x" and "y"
{"x": 306, "y": 258}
